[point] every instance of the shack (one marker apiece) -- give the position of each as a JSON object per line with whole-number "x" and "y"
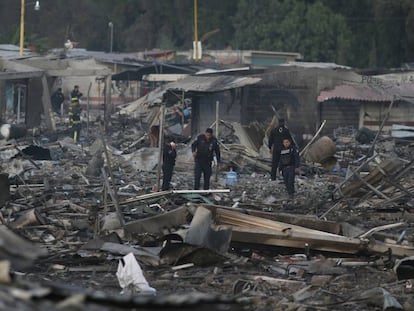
{"x": 366, "y": 105}
{"x": 291, "y": 91}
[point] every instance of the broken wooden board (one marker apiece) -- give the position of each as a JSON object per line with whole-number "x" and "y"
{"x": 294, "y": 219}
{"x": 301, "y": 240}
{"x": 296, "y": 239}
{"x": 252, "y": 229}
{"x": 233, "y": 218}
{"x": 160, "y": 223}
{"x": 386, "y": 168}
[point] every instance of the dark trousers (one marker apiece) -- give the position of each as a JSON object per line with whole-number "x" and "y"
{"x": 288, "y": 173}
{"x": 75, "y": 127}
{"x": 205, "y": 168}
{"x": 275, "y": 163}
{"x": 56, "y": 107}
{"x": 167, "y": 172}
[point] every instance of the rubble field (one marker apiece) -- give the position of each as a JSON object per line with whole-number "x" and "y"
{"x": 72, "y": 215}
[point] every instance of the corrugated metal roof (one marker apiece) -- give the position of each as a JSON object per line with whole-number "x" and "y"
{"x": 161, "y": 68}
{"x": 355, "y": 92}
{"x": 218, "y": 71}
{"x": 315, "y": 65}
{"x": 208, "y": 84}
{"x": 11, "y": 52}
{"x": 202, "y": 84}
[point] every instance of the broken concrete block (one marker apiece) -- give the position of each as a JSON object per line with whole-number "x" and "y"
{"x": 96, "y": 147}
{"x": 111, "y": 222}
{"x": 321, "y": 150}
{"x": 95, "y": 165}
{"x": 145, "y": 159}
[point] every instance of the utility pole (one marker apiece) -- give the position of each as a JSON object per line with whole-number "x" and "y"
{"x": 22, "y": 11}
{"x": 111, "y": 36}
{"x": 21, "y": 27}
{"x": 195, "y": 32}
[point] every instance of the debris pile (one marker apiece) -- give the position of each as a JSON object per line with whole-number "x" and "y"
{"x": 82, "y": 222}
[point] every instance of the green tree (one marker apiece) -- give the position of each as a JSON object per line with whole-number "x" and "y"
{"x": 359, "y": 33}
{"x": 215, "y": 27}
{"x": 295, "y": 26}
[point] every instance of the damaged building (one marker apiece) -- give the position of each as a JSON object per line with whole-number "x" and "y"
{"x": 305, "y": 94}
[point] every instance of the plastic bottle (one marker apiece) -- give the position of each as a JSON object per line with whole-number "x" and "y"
{"x": 231, "y": 178}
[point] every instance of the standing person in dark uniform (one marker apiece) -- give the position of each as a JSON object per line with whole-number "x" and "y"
{"x": 204, "y": 149}
{"x": 168, "y": 156}
{"x": 276, "y": 137}
{"x": 57, "y": 100}
{"x": 289, "y": 165}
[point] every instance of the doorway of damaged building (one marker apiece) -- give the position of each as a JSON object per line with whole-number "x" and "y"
{"x": 21, "y": 98}
{"x": 339, "y": 113}
{"x": 206, "y": 93}
{"x": 15, "y": 100}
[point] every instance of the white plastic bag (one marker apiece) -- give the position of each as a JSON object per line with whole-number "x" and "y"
{"x": 130, "y": 277}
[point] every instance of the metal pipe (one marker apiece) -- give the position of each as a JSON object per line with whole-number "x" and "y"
{"x": 201, "y": 191}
